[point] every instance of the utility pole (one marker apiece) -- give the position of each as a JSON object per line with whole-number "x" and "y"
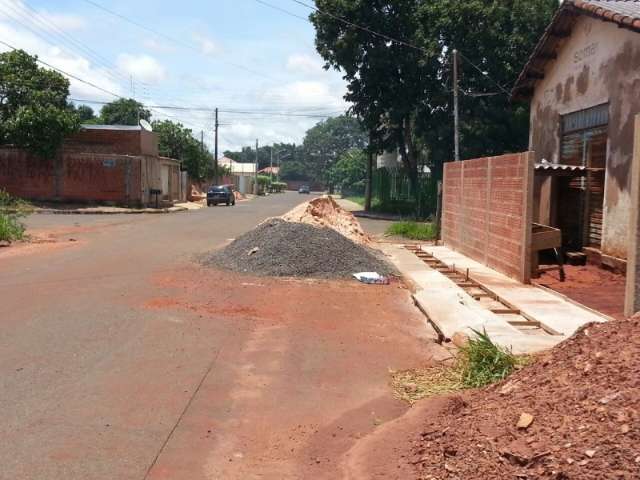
{"x": 215, "y": 150}
{"x": 202, "y": 140}
{"x": 255, "y": 173}
{"x": 271, "y": 164}
{"x": 456, "y": 112}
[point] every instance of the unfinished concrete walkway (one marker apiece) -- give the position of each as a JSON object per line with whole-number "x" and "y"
{"x": 453, "y": 310}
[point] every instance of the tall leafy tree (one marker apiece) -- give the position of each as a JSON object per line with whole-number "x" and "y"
{"x": 328, "y": 140}
{"x": 385, "y": 80}
{"x": 124, "y": 111}
{"x": 399, "y": 82}
{"x": 495, "y": 39}
{"x": 34, "y": 113}
{"x": 176, "y": 141}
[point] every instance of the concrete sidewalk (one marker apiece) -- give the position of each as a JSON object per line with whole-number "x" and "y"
{"x": 453, "y": 311}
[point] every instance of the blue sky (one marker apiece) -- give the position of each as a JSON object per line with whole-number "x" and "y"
{"x": 233, "y": 54}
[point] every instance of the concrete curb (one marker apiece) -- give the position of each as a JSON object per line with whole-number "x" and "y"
{"x": 376, "y": 216}
{"x": 151, "y": 211}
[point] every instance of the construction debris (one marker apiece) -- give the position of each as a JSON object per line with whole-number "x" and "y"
{"x": 586, "y": 420}
{"x": 325, "y": 212}
{"x": 280, "y": 248}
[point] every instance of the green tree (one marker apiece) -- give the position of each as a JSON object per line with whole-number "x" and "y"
{"x": 34, "y": 113}
{"x": 328, "y": 140}
{"x": 349, "y": 172}
{"x": 386, "y": 80}
{"x": 401, "y": 90}
{"x": 497, "y": 37}
{"x": 124, "y": 111}
{"x": 85, "y": 113}
{"x": 176, "y": 141}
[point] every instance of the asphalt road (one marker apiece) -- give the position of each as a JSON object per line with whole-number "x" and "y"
{"x": 120, "y": 358}
{"x": 69, "y": 335}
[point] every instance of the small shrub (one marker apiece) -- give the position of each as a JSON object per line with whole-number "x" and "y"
{"x": 479, "y": 363}
{"x": 11, "y": 229}
{"x": 483, "y": 362}
{"x": 413, "y": 230}
{"x": 12, "y": 209}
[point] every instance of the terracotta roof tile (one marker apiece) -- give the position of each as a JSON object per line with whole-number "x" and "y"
{"x": 625, "y": 13}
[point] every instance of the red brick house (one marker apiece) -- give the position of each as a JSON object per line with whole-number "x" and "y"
{"x": 110, "y": 164}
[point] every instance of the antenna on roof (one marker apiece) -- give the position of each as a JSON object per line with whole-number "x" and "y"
{"x": 146, "y": 125}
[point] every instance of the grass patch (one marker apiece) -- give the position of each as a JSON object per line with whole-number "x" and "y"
{"x": 11, "y": 212}
{"x": 356, "y": 199}
{"x": 479, "y": 363}
{"x": 413, "y": 230}
{"x": 482, "y": 362}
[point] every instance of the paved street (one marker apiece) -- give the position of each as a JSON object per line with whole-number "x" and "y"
{"x": 120, "y": 358}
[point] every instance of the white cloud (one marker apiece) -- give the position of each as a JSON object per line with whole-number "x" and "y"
{"x": 305, "y": 64}
{"x": 207, "y": 45}
{"x": 316, "y": 94}
{"x": 156, "y": 46}
{"x": 143, "y": 68}
{"x": 70, "y": 63}
{"x": 65, "y": 21}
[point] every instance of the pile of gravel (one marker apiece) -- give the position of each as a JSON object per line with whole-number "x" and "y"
{"x": 287, "y": 249}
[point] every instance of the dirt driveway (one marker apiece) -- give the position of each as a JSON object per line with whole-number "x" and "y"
{"x": 301, "y": 376}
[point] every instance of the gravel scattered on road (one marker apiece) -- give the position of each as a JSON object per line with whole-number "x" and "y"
{"x": 287, "y": 249}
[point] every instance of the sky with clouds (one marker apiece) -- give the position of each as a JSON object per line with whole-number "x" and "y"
{"x": 257, "y": 64}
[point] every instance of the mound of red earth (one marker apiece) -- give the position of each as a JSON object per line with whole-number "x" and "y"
{"x": 583, "y": 398}
{"x": 574, "y": 413}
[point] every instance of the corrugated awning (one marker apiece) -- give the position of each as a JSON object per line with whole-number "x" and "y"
{"x": 547, "y": 168}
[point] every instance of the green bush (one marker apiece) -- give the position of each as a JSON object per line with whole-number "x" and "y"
{"x": 278, "y": 187}
{"x": 12, "y": 209}
{"x": 413, "y": 230}
{"x": 483, "y": 362}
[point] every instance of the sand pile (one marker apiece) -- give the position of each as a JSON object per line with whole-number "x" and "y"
{"x": 325, "y": 212}
{"x": 280, "y": 248}
{"x": 584, "y": 401}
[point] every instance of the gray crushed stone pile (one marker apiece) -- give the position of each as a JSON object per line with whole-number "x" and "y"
{"x": 286, "y": 249}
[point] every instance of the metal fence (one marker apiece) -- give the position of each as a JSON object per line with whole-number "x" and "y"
{"x": 392, "y": 192}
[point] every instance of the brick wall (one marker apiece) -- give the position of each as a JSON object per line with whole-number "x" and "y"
{"x": 83, "y": 177}
{"x": 486, "y": 211}
{"x": 118, "y": 142}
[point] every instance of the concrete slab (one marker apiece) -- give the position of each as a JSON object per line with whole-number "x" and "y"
{"x": 552, "y": 310}
{"x": 451, "y": 310}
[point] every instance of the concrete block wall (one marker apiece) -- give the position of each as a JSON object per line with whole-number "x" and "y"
{"x": 487, "y": 210}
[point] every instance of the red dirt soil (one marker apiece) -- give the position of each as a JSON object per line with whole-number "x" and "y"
{"x": 584, "y": 396}
{"x": 303, "y": 373}
{"x": 325, "y": 212}
{"x": 591, "y": 286}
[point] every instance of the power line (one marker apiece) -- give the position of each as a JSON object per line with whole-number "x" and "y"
{"x": 104, "y": 90}
{"x": 483, "y": 73}
{"x": 93, "y": 85}
{"x": 169, "y": 38}
{"x": 360, "y": 27}
{"x": 37, "y": 29}
{"x": 230, "y": 111}
{"x": 395, "y": 40}
{"x": 282, "y": 10}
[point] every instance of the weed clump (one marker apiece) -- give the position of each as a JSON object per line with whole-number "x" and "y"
{"x": 413, "y": 230}
{"x": 11, "y": 212}
{"x": 479, "y": 363}
{"x": 482, "y": 362}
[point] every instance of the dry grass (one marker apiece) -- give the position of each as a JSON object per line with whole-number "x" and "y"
{"x": 418, "y": 383}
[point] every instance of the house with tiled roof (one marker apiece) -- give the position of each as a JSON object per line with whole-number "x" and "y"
{"x": 583, "y": 84}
